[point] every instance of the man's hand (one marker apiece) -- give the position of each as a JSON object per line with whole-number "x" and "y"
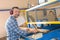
{"x": 43, "y": 30}
{"x": 30, "y": 30}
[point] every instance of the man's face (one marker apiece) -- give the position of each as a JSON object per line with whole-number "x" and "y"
{"x": 16, "y": 12}
{"x": 51, "y": 13}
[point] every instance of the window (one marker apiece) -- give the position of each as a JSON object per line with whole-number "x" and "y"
{"x": 42, "y": 1}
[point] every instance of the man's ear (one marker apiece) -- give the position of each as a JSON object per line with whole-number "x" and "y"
{"x": 11, "y": 12}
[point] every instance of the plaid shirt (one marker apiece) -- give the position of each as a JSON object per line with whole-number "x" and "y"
{"x": 13, "y": 32}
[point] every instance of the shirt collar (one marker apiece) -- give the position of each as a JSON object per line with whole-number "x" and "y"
{"x": 13, "y": 17}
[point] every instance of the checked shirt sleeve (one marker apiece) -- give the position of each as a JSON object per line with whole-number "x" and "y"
{"x": 17, "y": 30}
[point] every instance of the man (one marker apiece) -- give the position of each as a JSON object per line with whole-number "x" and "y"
{"x": 51, "y": 16}
{"x": 13, "y": 32}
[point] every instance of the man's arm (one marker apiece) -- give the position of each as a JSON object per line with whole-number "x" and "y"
{"x": 15, "y": 29}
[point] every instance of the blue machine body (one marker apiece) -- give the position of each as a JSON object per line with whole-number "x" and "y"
{"x": 54, "y": 33}
{"x": 48, "y": 36}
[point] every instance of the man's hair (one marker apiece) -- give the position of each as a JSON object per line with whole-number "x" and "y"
{"x": 51, "y": 11}
{"x": 11, "y": 11}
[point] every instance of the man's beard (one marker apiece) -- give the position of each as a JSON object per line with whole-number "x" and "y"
{"x": 17, "y": 16}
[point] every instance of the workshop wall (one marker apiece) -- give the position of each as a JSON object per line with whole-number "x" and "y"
{"x": 7, "y": 4}
{"x": 3, "y": 17}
